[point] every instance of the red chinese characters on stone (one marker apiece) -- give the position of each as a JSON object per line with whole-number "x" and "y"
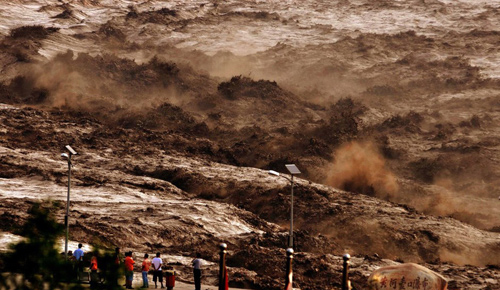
{"x": 416, "y": 285}
{"x": 425, "y": 284}
{"x": 406, "y": 277}
{"x": 402, "y": 284}
{"x": 394, "y": 283}
{"x": 383, "y": 282}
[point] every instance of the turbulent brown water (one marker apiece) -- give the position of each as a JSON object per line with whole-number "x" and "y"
{"x": 387, "y": 100}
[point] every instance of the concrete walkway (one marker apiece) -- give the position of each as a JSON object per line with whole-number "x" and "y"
{"x": 178, "y": 286}
{"x": 137, "y": 283}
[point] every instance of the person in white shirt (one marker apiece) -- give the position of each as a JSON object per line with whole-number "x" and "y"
{"x": 197, "y": 271}
{"x": 156, "y": 263}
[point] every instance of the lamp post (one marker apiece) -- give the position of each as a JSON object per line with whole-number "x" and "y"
{"x": 66, "y": 217}
{"x": 293, "y": 171}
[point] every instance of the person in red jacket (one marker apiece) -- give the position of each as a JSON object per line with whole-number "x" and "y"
{"x": 94, "y": 276}
{"x": 145, "y": 269}
{"x": 129, "y": 269}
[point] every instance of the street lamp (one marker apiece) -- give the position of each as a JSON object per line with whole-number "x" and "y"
{"x": 66, "y": 217}
{"x": 293, "y": 171}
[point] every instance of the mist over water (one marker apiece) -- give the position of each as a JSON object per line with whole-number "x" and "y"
{"x": 359, "y": 167}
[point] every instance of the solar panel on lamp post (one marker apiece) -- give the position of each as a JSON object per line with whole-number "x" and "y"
{"x": 293, "y": 171}
{"x": 66, "y": 217}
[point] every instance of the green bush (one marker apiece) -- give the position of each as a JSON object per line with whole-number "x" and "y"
{"x": 35, "y": 262}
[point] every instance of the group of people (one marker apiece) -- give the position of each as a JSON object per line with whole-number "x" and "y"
{"x": 155, "y": 265}
{"x": 76, "y": 258}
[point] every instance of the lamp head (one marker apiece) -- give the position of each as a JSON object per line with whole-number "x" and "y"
{"x": 71, "y": 150}
{"x": 65, "y": 155}
{"x": 292, "y": 169}
{"x": 272, "y": 172}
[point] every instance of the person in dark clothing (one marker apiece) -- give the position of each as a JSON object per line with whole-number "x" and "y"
{"x": 197, "y": 271}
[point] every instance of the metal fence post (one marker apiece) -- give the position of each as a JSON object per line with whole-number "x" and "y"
{"x": 222, "y": 267}
{"x": 346, "y": 284}
{"x": 289, "y": 270}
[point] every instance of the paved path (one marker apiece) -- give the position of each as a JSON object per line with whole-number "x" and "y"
{"x": 179, "y": 286}
{"x": 137, "y": 283}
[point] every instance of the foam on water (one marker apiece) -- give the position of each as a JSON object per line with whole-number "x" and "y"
{"x": 6, "y": 239}
{"x": 216, "y": 218}
{"x": 300, "y": 23}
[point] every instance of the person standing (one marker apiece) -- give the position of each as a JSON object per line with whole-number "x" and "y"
{"x": 117, "y": 256}
{"x": 73, "y": 272}
{"x": 157, "y": 273}
{"x": 78, "y": 254}
{"x": 197, "y": 271}
{"x": 129, "y": 269}
{"x": 94, "y": 276}
{"x": 116, "y": 268}
{"x": 145, "y": 269}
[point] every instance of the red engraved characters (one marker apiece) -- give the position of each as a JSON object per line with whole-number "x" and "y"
{"x": 402, "y": 284}
{"x": 394, "y": 283}
{"x": 383, "y": 282}
{"x": 425, "y": 284}
{"x": 406, "y": 277}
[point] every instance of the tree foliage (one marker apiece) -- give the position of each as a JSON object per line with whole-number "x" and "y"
{"x": 35, "y": 263}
